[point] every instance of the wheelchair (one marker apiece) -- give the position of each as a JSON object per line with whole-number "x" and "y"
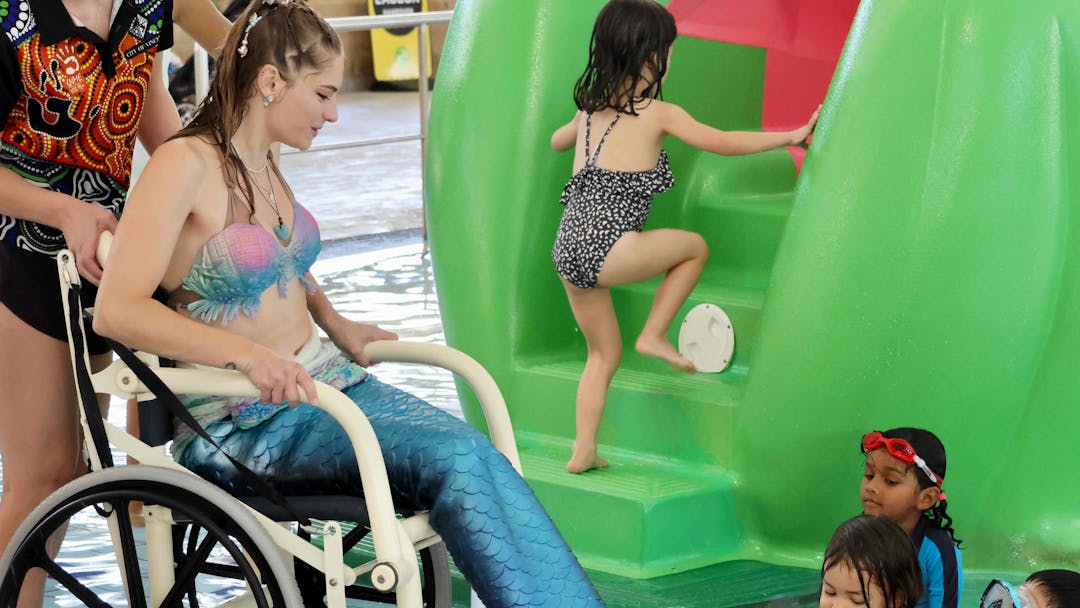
{"x": 252, "y": 550}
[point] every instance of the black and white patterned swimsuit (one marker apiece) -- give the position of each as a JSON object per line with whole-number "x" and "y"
{"x": 601, "y": 206}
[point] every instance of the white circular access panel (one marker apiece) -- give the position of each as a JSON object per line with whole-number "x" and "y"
{"x": 706, "y": 338}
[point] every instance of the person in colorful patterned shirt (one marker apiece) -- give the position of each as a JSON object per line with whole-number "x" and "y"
{"x": 78, "y": 84}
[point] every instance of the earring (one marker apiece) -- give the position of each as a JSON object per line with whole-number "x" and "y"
{"x": 269, "y": 99}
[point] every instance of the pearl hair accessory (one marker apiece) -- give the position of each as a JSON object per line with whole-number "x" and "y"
{"x": 242, "y": 50}
{"x": 252, "y": 20}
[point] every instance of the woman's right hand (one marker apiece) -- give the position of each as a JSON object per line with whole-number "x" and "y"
{"x": 82, "y": 227}
{"x": 279, "y": 379}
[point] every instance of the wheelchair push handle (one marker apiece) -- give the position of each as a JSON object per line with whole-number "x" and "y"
{"x": 104, "y": 243}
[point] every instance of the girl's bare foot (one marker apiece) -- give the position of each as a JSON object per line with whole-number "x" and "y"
{"x": 662, "y": 349}
{"x": 584, "y": 460}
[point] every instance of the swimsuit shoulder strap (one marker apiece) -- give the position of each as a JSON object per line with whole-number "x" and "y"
{"x": 599, "y": 144}
{"x": 588, "y": 128}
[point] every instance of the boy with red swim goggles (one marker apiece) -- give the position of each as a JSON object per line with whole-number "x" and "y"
{"x": 902, "y": 479}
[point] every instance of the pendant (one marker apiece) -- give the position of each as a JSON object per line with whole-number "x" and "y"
{"x": 282, "y": 231}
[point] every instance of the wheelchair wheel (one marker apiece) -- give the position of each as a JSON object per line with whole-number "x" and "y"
{"x": 435, "y": 565}
{"x": 91, "y": 573}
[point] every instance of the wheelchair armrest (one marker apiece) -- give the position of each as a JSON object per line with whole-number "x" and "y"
{"x": 365, "y": 444}
{"x": 474, "y": 374}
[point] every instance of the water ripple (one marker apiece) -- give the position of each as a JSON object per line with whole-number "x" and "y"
{"x": 394, "y": 289}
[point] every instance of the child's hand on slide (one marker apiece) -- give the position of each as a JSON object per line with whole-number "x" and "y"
{"x": 799, "y": 136}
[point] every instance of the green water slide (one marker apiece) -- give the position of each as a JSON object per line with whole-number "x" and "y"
{"x": 918, "y": 272}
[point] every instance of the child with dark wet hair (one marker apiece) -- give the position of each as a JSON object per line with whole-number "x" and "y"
{"x": 602, "y": 241}
{"x": 870, "y": 562}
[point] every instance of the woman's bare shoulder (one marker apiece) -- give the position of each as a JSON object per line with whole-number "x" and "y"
{"x": 187, "y": 155}
{"x": 194, "y": 146}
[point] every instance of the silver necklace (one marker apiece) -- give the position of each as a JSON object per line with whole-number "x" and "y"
{"x": 266, "y": 161}
{"x": 281, "y": 231}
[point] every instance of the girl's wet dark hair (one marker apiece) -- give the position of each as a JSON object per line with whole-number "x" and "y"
{"x": 880, "y": 552}
{"x": 628, "y": 37}
{"x": 1060, "y": 587}
{"x": 931, "y": 450}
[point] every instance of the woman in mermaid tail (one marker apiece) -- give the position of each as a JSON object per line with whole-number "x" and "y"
{"x": 213, "y": 222}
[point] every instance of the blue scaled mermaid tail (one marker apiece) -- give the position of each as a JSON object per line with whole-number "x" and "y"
{"x": 499, "y": 535}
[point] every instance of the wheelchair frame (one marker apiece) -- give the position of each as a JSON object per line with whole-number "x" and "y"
{"x": 396, "y": 541}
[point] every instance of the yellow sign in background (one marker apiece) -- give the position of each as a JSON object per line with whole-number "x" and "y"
{"x": 395, "y": 52}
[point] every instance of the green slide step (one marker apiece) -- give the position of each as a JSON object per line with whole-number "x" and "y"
{"x": 670, "y": 518}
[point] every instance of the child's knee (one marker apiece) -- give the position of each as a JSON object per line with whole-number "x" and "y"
{"x": 699, "y": 247}
{"x": 606, "y": 358}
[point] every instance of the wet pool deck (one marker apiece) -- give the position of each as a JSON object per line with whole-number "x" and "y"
{"x": 368, "y": 190}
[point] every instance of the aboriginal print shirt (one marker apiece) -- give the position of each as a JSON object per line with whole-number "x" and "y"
{"x": 70, "y": 103}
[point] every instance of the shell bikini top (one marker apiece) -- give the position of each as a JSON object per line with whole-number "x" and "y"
{"x": 238, "y": 264}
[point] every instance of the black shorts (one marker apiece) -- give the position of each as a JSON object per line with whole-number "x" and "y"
{"x": 30, "y": 288}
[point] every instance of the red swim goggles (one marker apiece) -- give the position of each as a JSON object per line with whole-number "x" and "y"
{"x": 900, "y": 450}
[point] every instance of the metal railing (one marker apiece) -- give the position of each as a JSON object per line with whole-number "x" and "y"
{"x": 356, "y": 24}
